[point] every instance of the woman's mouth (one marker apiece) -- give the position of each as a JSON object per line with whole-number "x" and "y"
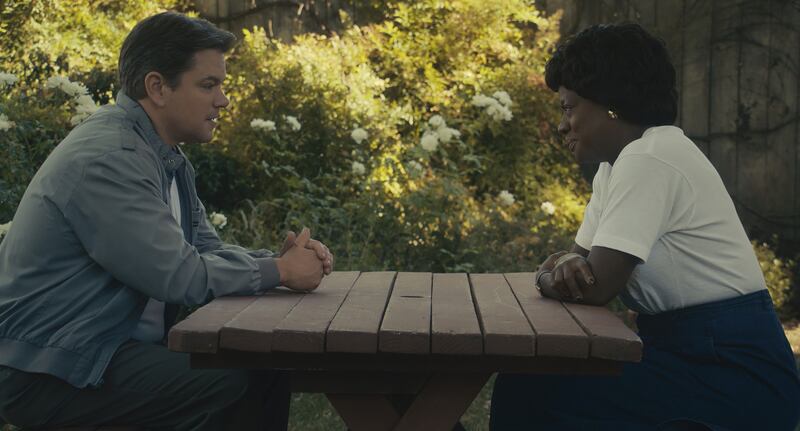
{"x": 571, "y": 145}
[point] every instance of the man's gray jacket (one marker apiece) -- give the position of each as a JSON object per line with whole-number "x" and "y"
{"x": 94, "y": 238}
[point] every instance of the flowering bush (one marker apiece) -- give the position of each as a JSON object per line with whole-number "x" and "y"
{"x": 777, "y": 273}
{"x": 57, "y": 62}
{"x": 399, "y": 141}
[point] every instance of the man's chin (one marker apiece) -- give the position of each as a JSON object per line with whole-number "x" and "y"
{"x": 199, "y": 139}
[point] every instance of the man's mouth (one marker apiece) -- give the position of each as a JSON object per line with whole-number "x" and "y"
{"x": 571, "y": 145}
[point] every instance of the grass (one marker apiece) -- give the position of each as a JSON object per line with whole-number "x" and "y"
{"x": 313, "y": 412}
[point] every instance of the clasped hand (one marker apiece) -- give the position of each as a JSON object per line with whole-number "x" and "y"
{"x": 303, "y": 261}
{"x": 570, "y": 274}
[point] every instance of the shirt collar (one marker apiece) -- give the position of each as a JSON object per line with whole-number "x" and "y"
{"x": 171, "y": 157}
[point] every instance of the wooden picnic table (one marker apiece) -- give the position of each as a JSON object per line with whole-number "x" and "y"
{"x": 402, "y": 350}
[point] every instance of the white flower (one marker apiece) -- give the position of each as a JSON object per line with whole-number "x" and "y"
{"x": 445, "y": 134}
{"x": 506, "y": 198}
{"x": 429, "y": 142}
{"x": 499, "y": 112}
{"x": 293, "y": 122}
{"x": 7, "y": 79}
{"x": 503, "y": 98}
{"x": 496, "y": 107}
{"x": 5, "y": 124}
{"x": 358, "y": 168}
{"x": 358, "y": 134}
{"x": 85, "y": 105}
{"x": 259, "y": 124}
{"x": 56, "y": 81}
{"x": 219, "y": 220}
{"x": 436, "y": 121}
{"x": 548, "y": 207}
{"x": 78, "y": 118}
{"x": 481, "y": 101}
{"x": 84, "y": 99}
{"x": 72, "y": 89}
{"x": 75, "y": 89}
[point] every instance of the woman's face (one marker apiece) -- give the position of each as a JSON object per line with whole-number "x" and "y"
{"x": 587, "y": 128}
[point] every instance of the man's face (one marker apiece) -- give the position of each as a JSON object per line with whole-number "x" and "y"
{"x": 193, "y": 106}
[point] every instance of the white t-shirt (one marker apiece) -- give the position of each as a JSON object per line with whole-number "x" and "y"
{"x": 663, "y": 202}
{"x": 151, "y": 324}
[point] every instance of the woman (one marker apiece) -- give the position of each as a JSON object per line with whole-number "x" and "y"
{"x": 661, "y": 232}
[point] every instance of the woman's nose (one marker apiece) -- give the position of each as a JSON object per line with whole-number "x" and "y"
{"x": 563, "y": 126}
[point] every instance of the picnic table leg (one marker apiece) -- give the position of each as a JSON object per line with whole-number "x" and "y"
{"x": 436, "y": 407}
{"x": 442, "y": 401}
{"x": 365, "y": 412}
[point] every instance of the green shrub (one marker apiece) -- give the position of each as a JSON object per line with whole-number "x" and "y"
{"x": 40, "y": 40}
{"x": 404, "y": 149}
{"x": 777, "y": 273}
{"x": 400, "y": 198}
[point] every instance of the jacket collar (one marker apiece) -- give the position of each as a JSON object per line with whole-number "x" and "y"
{"x": 172, "y": 158}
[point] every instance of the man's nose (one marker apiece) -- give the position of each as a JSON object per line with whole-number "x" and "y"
{"x": 222, "y": 101}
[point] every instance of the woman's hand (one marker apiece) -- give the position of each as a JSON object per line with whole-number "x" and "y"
{"x": 571, "y": 275}
{"x": 567, "y": 274}
{"x": 550, "y": 263}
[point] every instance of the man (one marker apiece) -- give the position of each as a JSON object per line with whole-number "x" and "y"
{"x": 110, "y": 237}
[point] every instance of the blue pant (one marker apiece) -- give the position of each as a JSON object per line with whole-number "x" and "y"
{"x": 726, "y": 364}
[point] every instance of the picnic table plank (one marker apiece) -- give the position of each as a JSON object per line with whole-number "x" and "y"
{"x": 406, "y": 326}
{"x": 506, "y": 331}
{"x": 610, "y": 338}
{"x": 303, "y": 329}
{"x": 454, "y": 326}
{"x": 557, "y": 332}
{"x": 252, "y": 329}
{"x": 199, "y": 333}
{"x": 355, "y": 327}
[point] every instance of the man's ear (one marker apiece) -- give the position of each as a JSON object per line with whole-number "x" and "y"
{"x": 156, "y": 88}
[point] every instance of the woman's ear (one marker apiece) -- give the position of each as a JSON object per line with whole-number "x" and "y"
{"x": 156, "y": 88}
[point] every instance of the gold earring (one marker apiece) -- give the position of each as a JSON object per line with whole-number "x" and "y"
{"x": 612, "y": 114}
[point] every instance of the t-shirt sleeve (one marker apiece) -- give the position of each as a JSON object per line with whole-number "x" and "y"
{"x": 591, "y": 215}
{"x": 638, "y": 205}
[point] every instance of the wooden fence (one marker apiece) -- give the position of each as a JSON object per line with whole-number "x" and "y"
{"x": 738, "y": 64}
{"x": 284, "y": 19}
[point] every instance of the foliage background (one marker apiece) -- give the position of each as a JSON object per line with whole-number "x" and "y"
{"x": 410, "y": 208}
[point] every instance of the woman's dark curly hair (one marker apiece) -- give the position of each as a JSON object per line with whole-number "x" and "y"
{"x": 620, "y": 66}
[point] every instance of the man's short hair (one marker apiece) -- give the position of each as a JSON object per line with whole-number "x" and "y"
{"x": 166, "y": 43}
{"x": 619, "y": 66}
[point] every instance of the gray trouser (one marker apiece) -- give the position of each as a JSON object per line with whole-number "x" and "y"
{"x": 151, "y": 387}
